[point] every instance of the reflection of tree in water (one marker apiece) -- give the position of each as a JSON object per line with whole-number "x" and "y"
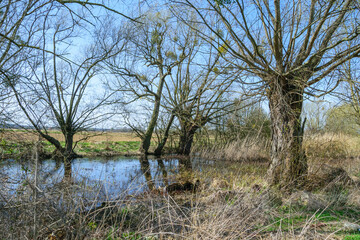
{"x": 145, "y": 168}
{"x": 67, "y": 171}
{"x": 67, "y": 177}
{"x": 160, "y": 174}
{"x": 105, "y": 175}
{"x": 161, "y": 168}
{"x": 52, "y": 172}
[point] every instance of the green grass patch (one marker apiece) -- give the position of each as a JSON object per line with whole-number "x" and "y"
{"x": 295, "y": 218}
{"x": 352, "y": 237}
{"x": 119, "y": 147}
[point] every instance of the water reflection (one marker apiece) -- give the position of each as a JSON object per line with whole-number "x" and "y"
{"x": 163, "y": 171}
{"x": 145, "y": 168}
{"x": 94, "y": 180}
{"x": 111, "y": 176}
{"x": 67, "y": 172}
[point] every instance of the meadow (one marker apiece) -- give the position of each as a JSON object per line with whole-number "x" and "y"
{"x": 17, "y": 143}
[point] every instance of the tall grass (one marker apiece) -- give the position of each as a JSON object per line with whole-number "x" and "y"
{"x": 331, "y": 145}
{"x": 232, "y": 203}
{"x": 242, "y": 149}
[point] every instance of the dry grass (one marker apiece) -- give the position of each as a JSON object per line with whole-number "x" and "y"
{"x": 332, "y": 146}
{"x": 234, "y": 202}
{"x": 318, "y": 147}
{"x": 227, "y": 206}
{"x": 247, "y": 149}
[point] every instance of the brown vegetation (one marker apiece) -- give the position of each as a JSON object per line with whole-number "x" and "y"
{"x": 233, "y": 202}
{"x": 247, "y": 149}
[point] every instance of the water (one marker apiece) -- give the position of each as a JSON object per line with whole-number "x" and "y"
{"x": 107, "y": 178}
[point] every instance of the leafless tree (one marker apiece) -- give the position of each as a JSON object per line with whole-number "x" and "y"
{"x": 153, "y": 54}
{"x": 290, "y": 49}
{"x": 53, "y": 87}
{"x": 198, "y": 92}
{"x": 19, "y": 33}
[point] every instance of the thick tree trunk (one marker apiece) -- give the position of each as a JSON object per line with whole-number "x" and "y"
{"x": 161, "y": 145}
{"x": 68, "y": 155}
{"x": 288, "y": 167}
{"x": 186, "y": 139}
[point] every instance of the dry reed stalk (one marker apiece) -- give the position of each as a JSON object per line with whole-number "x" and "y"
{"x": 247, "y": 149}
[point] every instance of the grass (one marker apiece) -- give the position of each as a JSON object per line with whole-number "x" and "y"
{"x": 234, "y": 201}
{"x": 113, "y": 148}
{"x": 331, "y": 145}
{"x": 92, "y": 137}
{"x": 247, "y": 149}
{"x": 226, "y": 207}
{"x": 352, "y": 237}
{"x": 20, "y": 143}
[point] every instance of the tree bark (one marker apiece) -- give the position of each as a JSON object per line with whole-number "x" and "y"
{"x": 161, "y": 145}
{"x": 145, "y": 144}
{"x": 68, "y": 150}
{"x": 186, "y": 138}
{"x": 146, "y": 141}
{"x": 288, "y": 160}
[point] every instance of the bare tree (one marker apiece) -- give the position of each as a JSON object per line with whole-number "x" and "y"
{"x": 19, "y": 33}
{"x": 154, "y": 52}
{"x": 112, "y": 8}
{"x": 289, "y": 49}
{"x": 198, "y": 92}
{"x": 55, "y": 91}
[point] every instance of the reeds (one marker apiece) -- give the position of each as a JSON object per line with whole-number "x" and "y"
{"x": 244, "y": 149}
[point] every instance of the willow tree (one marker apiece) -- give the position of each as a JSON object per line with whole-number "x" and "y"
{"x": 54, "y": 87}
{"x": 146, "y": 65}
{"x": 197, "y": 91}
{"x": 289, "y": 49}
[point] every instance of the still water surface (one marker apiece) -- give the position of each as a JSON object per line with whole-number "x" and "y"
{"x": 109, "y": 177}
